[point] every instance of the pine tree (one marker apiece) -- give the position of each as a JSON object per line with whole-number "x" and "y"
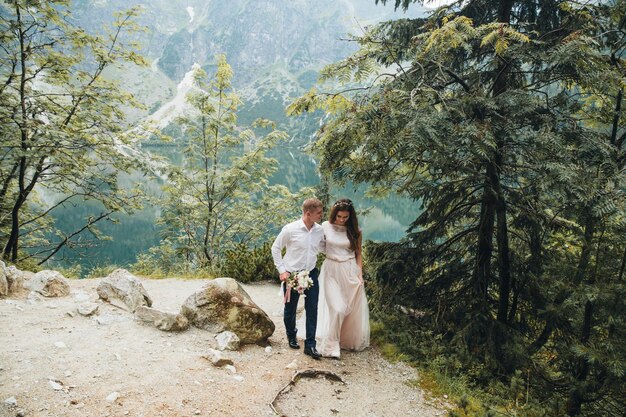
{"x": 502, "y": 120}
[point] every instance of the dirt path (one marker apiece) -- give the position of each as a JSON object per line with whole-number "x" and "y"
{"x": 52, "y": 364}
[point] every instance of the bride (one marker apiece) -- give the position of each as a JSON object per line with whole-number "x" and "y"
{"x": 343, "y": 314}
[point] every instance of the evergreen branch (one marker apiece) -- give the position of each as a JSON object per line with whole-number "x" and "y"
{"x": 455, "y": 76}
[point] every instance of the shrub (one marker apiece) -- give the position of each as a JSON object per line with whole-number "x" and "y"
{"x": 249, "y": 264}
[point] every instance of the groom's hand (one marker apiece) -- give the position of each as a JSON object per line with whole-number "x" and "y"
{"x": 284, "y": 276}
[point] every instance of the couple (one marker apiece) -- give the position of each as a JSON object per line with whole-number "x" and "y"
{"x": 342, "y": 318}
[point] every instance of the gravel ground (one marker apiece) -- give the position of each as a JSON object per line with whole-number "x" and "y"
{"x": 53, "y": 364}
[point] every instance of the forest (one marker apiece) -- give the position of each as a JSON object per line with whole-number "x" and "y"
{"x": 502, "y": 121}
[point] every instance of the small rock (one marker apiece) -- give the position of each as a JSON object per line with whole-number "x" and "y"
{"x": 123, "y": 287}
{"x": 227, "y": 341}
{"x": 112, "y": 397}
{"x": 162, "y": 320}
{"x": 55, "y": 385}
{"x": 60, "y": 345}
{"x": 216, "y": 358}
{"x": 11, "y": 401}
{"x": 87, "y": 309}
{"x": 70, "y": 313}
{"x": 231, "y": 369}
{"x": 196, "y": 412}
{"x": 20, "y": 413}
{"x": 68, "y": 373}
{"x": 292, "y": 365}
{"x": 49, "y": 284}
{"x": 34, "y": 296}
{"x": 268, "y": 349}
{"x": 238, "y": 378}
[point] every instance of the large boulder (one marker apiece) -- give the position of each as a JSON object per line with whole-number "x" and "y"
{"x": 223, "y": 304}
{"x": 49, "y": 284}
{"x": 162, "y": 320}
{"x": 124, "y": 286}
{"x": 11, "y": 279}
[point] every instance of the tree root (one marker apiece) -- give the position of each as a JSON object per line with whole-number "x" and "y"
{"x": 307, "y": 373}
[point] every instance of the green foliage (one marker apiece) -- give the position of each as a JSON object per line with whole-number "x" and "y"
{"x": 249, "y": 264}
{"x": 73, "y": 271}
{"x": 101, "y": 271}
{"x": 220, "y": 199}
{"x": 506, "y": 122}
{"x": 63, "y": 130}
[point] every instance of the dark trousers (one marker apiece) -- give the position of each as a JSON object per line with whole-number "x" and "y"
{"x": 310, "y": 307}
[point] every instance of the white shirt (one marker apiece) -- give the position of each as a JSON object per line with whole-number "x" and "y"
{"x": 302, "y": 245}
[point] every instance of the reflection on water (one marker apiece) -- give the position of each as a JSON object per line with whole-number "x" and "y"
{"x": 379, "y": 226}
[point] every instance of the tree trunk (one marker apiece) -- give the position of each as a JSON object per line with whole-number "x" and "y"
{"x": 12, "y": 246}
{"x": 535, "y": 271}
{"x": 622, "y": 267}
{"x": 585, "y": 253}
{"x": 577, "y": 394}
{"x": 482, "y": 272}
{"x": 504, "y": 257}
{"x": 500, "y": 86}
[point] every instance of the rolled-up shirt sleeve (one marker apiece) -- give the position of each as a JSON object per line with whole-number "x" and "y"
{"x": 277, "y": 248}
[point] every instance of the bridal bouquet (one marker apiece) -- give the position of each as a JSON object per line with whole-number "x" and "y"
{"x": 298, "y": 281}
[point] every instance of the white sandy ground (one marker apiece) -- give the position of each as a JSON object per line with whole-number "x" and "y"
{"x": 53, "y": 364}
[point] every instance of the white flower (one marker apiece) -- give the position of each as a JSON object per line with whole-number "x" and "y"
{"x": 300, "y": 281}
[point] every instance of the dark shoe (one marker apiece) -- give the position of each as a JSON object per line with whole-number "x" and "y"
{"x": 312, "y": 352}
{"x": 293, "y": 343}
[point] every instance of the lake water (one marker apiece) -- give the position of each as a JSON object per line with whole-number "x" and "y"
{"x": 384, "y": 220}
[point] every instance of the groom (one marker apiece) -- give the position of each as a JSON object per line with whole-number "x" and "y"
{"x": 303, "y": 239}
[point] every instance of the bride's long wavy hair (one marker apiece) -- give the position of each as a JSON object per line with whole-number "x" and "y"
{"x": 352, "y": 225}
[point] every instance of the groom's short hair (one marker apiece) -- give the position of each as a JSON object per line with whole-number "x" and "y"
{"x": 311, "y": 204}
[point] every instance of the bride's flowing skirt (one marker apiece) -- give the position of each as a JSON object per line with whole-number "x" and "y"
{"x": 343, "y": 314}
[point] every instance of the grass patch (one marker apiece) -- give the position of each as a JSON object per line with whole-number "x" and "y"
{"x": 390, "y": 351}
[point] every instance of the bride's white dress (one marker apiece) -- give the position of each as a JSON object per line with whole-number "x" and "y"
{"x": 343, "y": 314}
